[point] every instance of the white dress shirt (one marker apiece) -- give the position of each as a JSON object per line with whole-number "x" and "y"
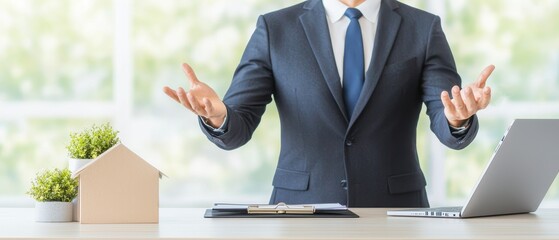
{"x": 338, "y": 23}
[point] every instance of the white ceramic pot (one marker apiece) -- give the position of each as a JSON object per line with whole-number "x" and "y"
{"x": 53, "y": 211}
{"x": 75, "y": 164}
{"x": 76, "y": 209}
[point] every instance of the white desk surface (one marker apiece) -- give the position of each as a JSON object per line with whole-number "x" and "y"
{"x": 188, "y": 223}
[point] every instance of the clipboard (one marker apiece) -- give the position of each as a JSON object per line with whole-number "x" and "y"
{"x": 280, "y": 210}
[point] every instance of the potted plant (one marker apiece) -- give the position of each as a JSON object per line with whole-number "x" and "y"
{"x": 53, "y": 191}
{"x": 86, "y": 145}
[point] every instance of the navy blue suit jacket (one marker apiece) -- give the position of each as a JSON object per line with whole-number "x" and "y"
{"x": 365, "y": 160}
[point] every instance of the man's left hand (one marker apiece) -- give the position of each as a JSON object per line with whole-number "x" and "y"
{"x": 467, "y": 101}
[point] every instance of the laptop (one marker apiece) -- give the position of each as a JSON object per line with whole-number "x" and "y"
{"x": 519, "y": 174}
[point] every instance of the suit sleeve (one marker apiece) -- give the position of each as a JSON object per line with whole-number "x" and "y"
{"x": 439, "y": 75}
{"x": 250, "y": 91}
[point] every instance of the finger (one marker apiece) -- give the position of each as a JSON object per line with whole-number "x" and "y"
{"x": 485, "y": 99}
{"x": 447, "y": 103}
{"x": 458, "y": 102}
{"x": 184, "y": 100}
{"x": 469, "y": 101}
{"x": 482, "y": 79}
{"x": 199, "y": 110}
{"x": 190, "y": 74}
{"x": 171, "y": 93}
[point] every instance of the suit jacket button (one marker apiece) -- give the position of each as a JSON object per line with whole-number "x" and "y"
{"x": 343, "y": 183}
{"x": 348, "y": 143}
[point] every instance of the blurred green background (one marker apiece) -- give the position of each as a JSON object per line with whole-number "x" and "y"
{"x": 67, "y": 64}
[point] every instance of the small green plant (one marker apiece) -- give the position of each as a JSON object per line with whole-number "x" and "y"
{"x": 54, "y": 186}
{"x": 91, "y": 142}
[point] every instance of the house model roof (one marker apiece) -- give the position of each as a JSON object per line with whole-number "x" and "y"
{"x": 117, "y": 151}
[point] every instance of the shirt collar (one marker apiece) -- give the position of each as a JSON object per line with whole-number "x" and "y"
{"x": 335, "y": 9}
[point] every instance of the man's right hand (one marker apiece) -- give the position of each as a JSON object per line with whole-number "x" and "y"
{"x": 201, "y": 99}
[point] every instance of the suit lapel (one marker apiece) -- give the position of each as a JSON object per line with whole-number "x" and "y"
{"x": 387, "y": 29}
{"x": 316, "y": 29}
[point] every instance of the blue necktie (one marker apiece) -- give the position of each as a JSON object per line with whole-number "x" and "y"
{"x": 354, "y": 70}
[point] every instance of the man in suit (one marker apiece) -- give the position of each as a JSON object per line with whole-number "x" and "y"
{"x": 349, "y": 86}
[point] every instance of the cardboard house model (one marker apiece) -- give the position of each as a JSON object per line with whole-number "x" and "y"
{"x": 118, "y": 187}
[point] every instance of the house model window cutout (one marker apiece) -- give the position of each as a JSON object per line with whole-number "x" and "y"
{"x": 118, "y": 187}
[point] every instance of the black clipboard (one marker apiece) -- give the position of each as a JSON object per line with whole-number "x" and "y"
{"x": 280, "y": 210}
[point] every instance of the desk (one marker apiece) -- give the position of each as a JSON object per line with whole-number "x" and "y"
{"x": 188, "y": 223}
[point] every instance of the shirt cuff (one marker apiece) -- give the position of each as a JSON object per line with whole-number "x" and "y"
{"x": 222, "y": 129}
{"x": 457, "y": 131}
